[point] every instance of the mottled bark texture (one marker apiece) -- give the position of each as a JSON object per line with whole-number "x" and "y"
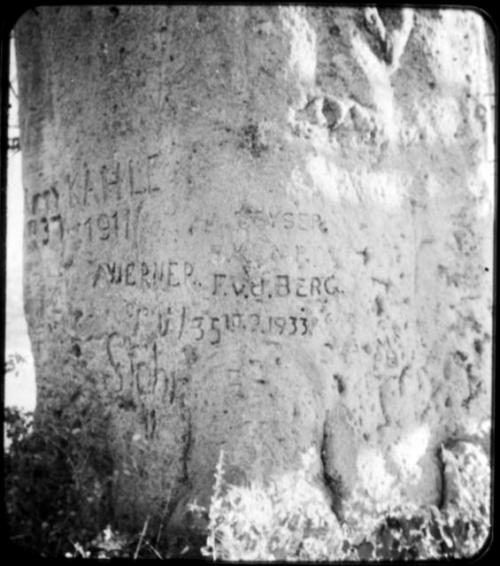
{"x": 257, "y": 229}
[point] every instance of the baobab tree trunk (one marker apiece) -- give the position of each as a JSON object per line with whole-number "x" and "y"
{"x": 256, "y": 229}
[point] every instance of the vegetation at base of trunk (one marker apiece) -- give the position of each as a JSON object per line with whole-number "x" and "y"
{"x": 49, "y": 504}
{"x": 43, "y": 501}
{"x": 51, "y": 499}
{"x": 290, "y": 519}
{"x": 286, "y": 519}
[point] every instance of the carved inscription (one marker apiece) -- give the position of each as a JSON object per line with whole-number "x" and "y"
{"x": 45, "y": 224}
{"x": 107, "y": 226}
{"x": 174, "y": 273}
{"x": 181, "y": 323}
{"x": 45, "y": 201}
{"x": 95, "y": 184}
{"x": 136, "y": 366}
{"x": 103, "y": 226}
{"x": 43, "y": 230}
{"x": 281, "y": 219}
{"x": 281, "y": 285}
{"x": 247, "y": 216}
{"x": 158, "y": 274}
{"x": 138, "y": 377}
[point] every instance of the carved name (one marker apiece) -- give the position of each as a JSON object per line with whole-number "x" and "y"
{"x": 281, "y": 285}
{"x": 281, "y": 219}
{"x": 98, "y": 184}
{"x": 163, "y": 274}
{"x": 139, "y": 378}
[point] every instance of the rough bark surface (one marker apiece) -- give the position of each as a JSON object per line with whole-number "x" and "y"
{"x": 257, "y": 229}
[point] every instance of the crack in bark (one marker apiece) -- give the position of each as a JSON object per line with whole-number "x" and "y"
{"x": 332, "y": 481}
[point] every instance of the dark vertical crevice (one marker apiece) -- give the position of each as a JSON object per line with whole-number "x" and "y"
{"x": 331, "y": 480}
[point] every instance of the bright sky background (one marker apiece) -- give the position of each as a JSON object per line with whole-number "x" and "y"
{"x": 20, "y": 388}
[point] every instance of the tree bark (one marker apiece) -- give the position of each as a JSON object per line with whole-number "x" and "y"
{"x": 256, "y": 229}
